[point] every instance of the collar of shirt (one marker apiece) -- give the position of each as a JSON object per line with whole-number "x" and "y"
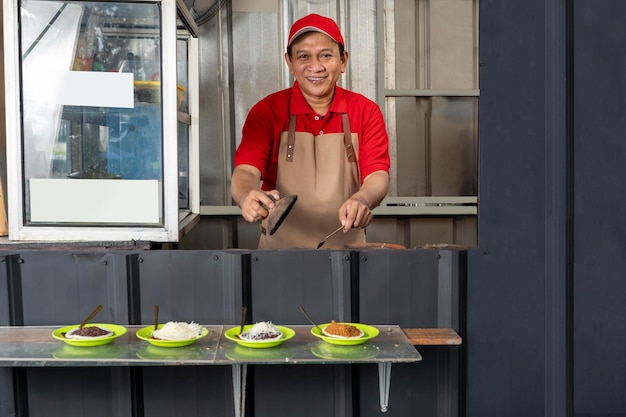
{"x": 299, "y": 104}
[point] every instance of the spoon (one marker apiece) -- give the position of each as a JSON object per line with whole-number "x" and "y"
{"x": 156, "y": 316}
{"x": 309, "y": 319}
{"x": 243, "y": 319}
{"x": 91, "y": 316}
{"x": 319, "y": 245}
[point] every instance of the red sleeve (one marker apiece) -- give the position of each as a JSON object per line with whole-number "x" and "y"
{"x": 373, "y": 141}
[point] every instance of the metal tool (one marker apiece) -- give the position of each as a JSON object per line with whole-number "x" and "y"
{"x": 244, "y": 310}
{"x": 278, "y": 213}
{"x": 319, "y": 245}
{"x": 311, "y": 320}
{"x": 156, "y": 317}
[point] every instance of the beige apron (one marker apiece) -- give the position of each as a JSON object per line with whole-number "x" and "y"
{"x": 323, "y": 172}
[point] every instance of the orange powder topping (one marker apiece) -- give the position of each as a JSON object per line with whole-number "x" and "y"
{"x": 344, "y": 330}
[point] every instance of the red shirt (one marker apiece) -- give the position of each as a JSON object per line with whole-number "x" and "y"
{"x": 270, "y": 116}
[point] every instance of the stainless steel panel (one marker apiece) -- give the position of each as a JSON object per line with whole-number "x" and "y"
{"x": 432, "y": 44}
{"x": 437, "y": 145}
{"x": 214, "y": 101}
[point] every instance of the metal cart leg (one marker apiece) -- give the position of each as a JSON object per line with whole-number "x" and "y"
{"x": 384, "y": 380}
{"x": 239, "y": 388}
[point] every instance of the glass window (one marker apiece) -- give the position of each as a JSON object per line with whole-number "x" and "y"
{"x": 184, "y": 121}
{"x": 183, "y": 167}
{"x": 92, "y": 118}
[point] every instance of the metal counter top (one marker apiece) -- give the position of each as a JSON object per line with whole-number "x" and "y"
{"x": 34, "y": 346}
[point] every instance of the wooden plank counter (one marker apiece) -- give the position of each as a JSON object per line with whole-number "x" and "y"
{"x": 433, "y": 337}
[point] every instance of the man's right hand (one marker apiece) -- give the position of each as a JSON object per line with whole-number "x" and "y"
{"x": 256, "y": 204}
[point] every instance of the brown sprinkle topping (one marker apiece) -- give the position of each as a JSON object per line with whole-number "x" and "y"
{"x": 91, "y": 331}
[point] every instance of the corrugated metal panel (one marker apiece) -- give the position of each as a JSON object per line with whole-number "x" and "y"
{"x": 281, "y": 282}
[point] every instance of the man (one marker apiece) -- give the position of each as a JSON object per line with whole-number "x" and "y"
{"x": 325, "y": 144}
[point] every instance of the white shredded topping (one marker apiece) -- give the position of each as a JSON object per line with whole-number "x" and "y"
{"x": 263, "y": 330}
{"x": 178, "y": 330}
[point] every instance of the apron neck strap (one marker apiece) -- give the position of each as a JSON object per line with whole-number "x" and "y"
{"x": 291, "y": 137}
{"x": 347, "y": 138}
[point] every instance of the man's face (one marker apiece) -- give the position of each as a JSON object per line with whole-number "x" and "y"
{"x": 316, "y": 64}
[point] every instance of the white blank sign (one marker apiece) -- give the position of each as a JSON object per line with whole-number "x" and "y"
{"x": 102, "y": 201}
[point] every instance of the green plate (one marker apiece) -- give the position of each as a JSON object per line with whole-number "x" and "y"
{"x": 369, "y": 332}
{"x": 118, "y": 331}
{"x": 233, "y": 334}
{"x": 146, "y": 334}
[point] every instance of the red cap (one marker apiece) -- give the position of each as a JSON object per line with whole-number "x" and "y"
{"x": 315, "y": 23}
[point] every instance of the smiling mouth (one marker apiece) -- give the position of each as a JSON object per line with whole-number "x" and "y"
{"x": 316, "y": 79}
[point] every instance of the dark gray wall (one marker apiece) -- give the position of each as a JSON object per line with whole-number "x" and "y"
{"x": 599, "y": 206}
{"x": 518, "y": 299}
{"x": 546, "y": 287}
